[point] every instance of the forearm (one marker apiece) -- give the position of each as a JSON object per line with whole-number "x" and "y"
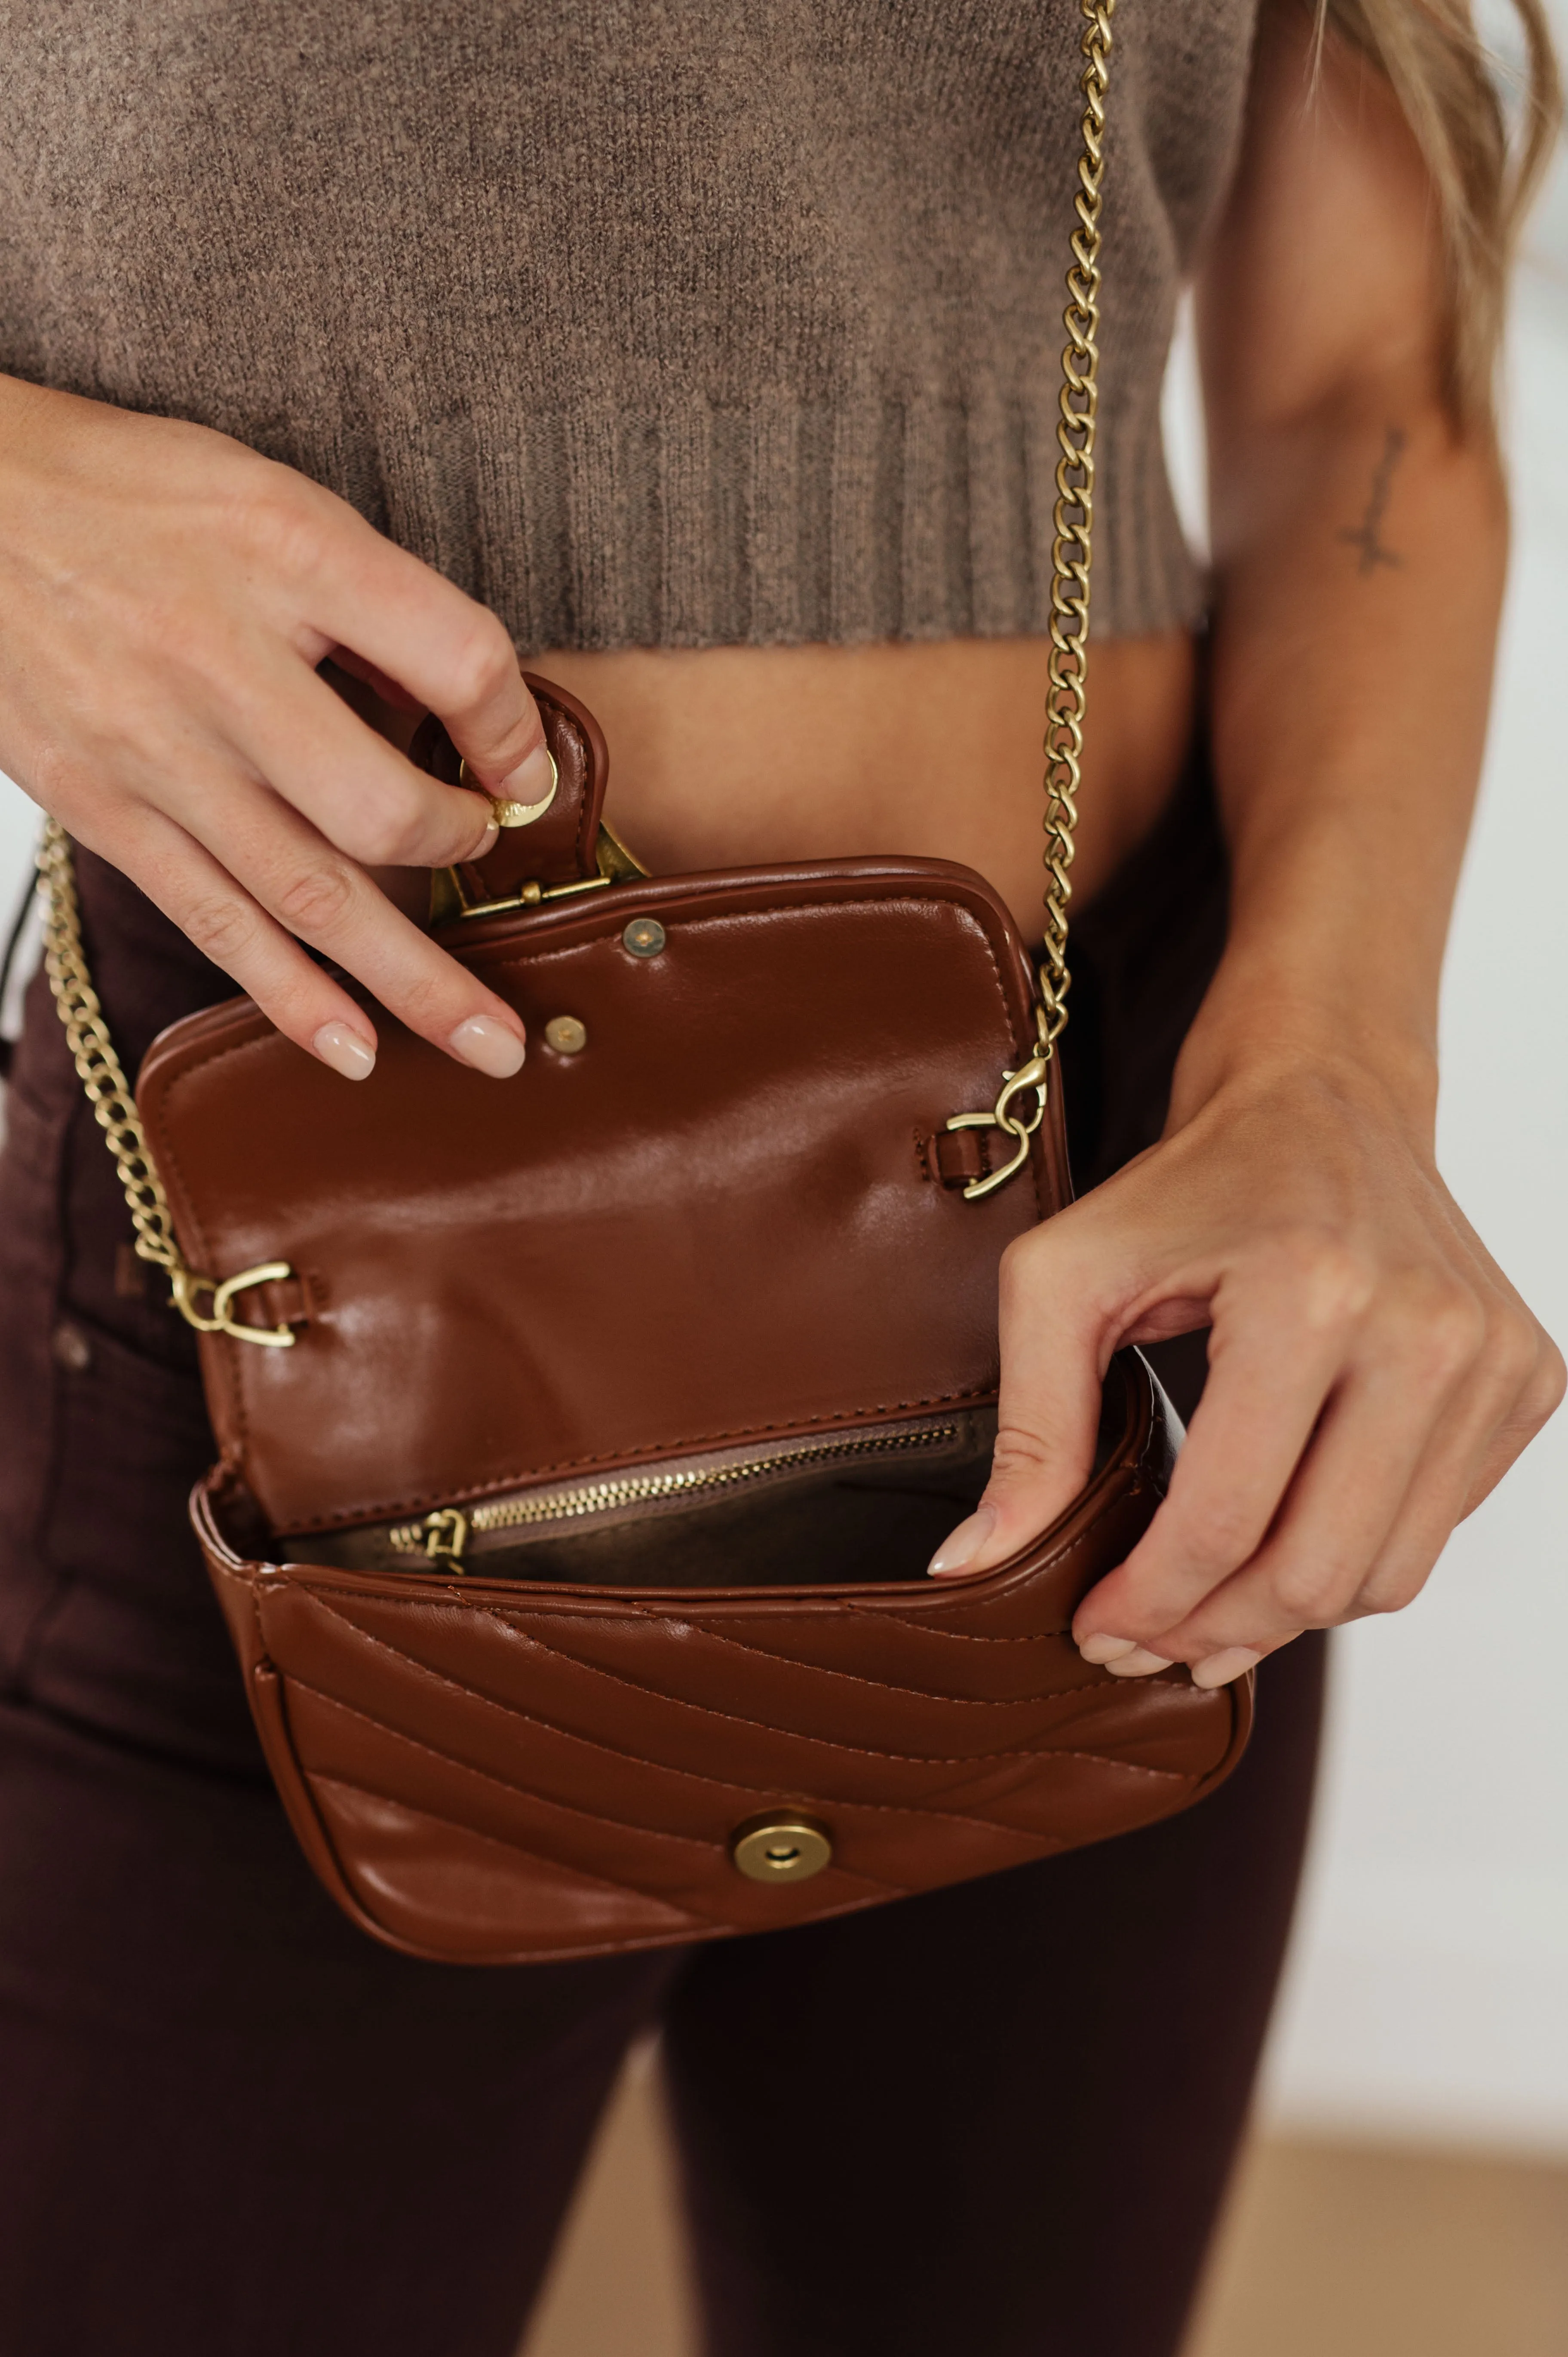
{"x": 1360, "y": 543}
{"x": 1361, "y": 556}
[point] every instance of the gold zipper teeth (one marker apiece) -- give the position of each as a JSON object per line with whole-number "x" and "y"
{"x": 601, "y": 1497}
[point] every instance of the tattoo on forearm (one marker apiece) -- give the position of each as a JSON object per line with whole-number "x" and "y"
{"x": 1366, "y": 536}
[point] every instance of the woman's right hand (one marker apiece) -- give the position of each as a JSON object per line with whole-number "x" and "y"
{"x": 166, "y": 596}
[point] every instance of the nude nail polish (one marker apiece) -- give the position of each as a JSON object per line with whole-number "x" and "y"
{"x": 530, "y": 781}
{"x": 489, "y": 1046}
{"x": 1220, "y": 1669}
{"x": 1103, "y": 1650}
{"x": 348, "y": 1052}
{"x": 958, "y": 1549}
{"x": 1139, "y": 1664}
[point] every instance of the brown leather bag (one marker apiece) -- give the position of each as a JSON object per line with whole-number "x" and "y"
{"x": 585, "y": 1437}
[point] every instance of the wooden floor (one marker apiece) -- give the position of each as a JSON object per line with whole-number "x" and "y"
{"x": 1328, "y": 2251}
{"x": 1340, "y": 2250}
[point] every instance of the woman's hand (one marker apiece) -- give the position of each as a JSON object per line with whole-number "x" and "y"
{"x": 166, "y": 596}
{"x": 1372, "y": 1374}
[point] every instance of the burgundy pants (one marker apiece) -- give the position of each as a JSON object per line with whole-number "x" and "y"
{"x": 994, "y": 2120}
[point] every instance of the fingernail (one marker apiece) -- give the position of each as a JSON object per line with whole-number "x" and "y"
{"x": 490, "y": 1047}
{"x": 349, "y": 1052}
{"x": 531, "y": 780}
{"x": 1138, "y": 1664}
{"x": 958, "y": 1551}
{"x": 1101, "y": 1650}
{"x": 1220, "y": 1669}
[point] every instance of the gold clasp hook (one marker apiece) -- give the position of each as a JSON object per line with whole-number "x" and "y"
{"x": 187, "y": 1284}
{"x": 1032, "y": 1075}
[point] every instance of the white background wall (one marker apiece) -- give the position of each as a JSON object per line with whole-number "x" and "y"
{"x": 1427, "y": 1988}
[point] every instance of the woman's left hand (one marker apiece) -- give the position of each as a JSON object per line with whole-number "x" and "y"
{"x": 1372, "y": 1373}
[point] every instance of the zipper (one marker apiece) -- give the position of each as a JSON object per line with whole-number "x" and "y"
{"x": 442, "y": 1536}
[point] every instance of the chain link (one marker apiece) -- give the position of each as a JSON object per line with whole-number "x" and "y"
{"x": 92, "y": 1052}
{"x": 1073, "y": 526}
{"x": 108, "y": 1092}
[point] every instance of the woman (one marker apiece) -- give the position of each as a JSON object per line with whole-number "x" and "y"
{"x": 710, "y": 352}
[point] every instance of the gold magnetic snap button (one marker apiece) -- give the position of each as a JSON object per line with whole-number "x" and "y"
{"x": 644, "y": 937}
{"x": 566, "y": 1035}
{"x": 780, "y": 1849}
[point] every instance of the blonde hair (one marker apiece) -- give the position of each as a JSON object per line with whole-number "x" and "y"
{"x": 1444, "y": 77}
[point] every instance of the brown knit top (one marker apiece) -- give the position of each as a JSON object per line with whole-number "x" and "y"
{"x": 665, "y": 322}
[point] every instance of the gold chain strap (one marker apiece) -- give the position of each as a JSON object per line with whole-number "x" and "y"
{"x": 92, "y": 1052}
{"x": 1073, "y": 524}
{"x": 1021, "y": 1106}
{"x": 76, "y": 1001}
{"x": 103, "y": 1076}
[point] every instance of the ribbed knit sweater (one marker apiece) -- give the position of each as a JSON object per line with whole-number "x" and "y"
{"x": 659, "y": 322}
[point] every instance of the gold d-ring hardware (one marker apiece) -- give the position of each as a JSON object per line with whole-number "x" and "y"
{"x": 185, "y": 1285}
{"x": 616, "y": 864}
{"x": 511, "y": 813}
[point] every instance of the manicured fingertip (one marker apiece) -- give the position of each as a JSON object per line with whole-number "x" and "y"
{"x": 1138, "y": 1664}
{"x": 491, "y": 1048}
{"x": 486, "y": 819}
{"x": 1103, "y": 1650}
{"x": 531, "y": 780}
{"x": 962, "y": 1549}
{"x": 1223, "y": 1669}
{"x": 346, "y": 1050}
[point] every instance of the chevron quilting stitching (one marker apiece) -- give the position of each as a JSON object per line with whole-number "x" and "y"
{"x": 592, "y": 1816}
{"x": 520, "y": 1849}
{"x": 831, "y": 1743}
{"x": 897, "y": 1685}
{"x": 756, "y": 1727}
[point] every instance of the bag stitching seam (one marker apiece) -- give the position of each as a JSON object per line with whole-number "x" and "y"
{"x": 756, "y": 1726}
{"x": 631, "y": 1890}
{"x": 718, "y": 1783}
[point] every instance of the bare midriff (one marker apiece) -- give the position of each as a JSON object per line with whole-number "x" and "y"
{"x": 725, "y": 756}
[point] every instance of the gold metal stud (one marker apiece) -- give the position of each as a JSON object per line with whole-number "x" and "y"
{"x": 780, "y": 1849}
{"x": 644, "y": 937}
{"x": 566, "y": 1035}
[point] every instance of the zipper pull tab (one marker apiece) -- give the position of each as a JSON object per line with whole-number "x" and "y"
{"x": 447, "y": 1535}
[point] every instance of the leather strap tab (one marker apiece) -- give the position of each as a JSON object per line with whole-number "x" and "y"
{"x": 957, "y": 1156}
{"x": 561, "y": 845}
{"x": 282, "y": 1301}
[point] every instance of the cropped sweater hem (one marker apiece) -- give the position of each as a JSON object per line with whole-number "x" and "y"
{"x": 674, "y": 324}
{"x": 780, "y": 523}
